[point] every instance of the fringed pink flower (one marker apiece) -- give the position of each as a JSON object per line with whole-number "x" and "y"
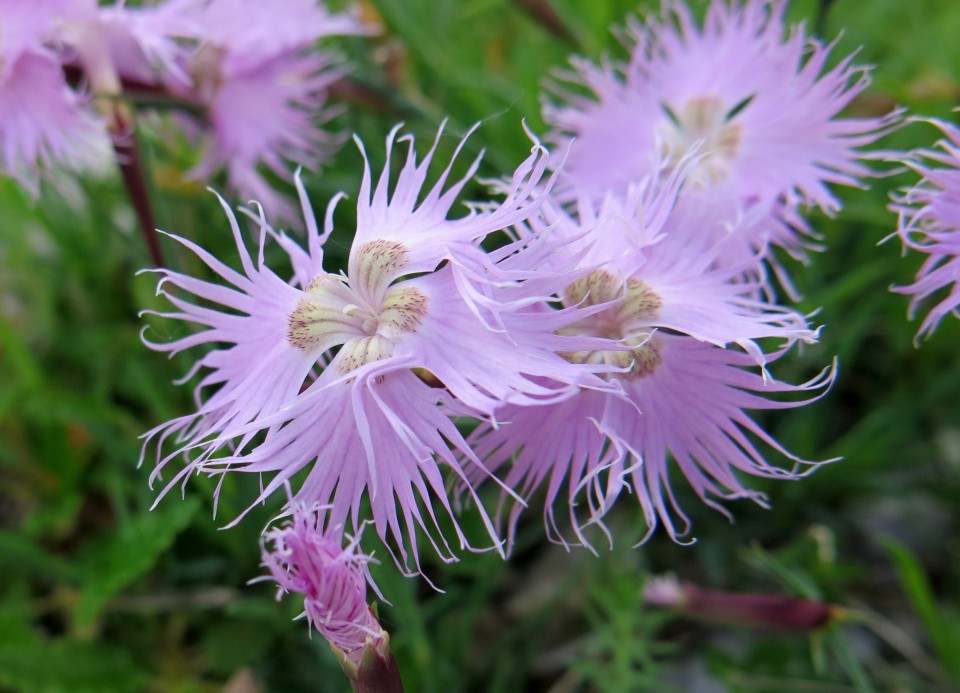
{"x": 43, "y": 123}
{"x": 354, "y": 376}
{"x": 649, "y": 249}
{"x": 752, "y": 99}
{"x": 686, "y": 409}
{"x": 930, "y": 223}
{"x": 141, "y": 45}
{"x": 682, "y": 393}
{"x": 257, "y": 71}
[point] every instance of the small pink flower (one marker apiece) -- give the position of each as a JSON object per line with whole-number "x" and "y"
{"x": 252, "y": 30}
{"x": 752, "y": 99}
{"x": 650, "y": 248}
{"x": 138, "y": 44}
{"x": 686, "y": 409}
{"x": 688, "y": 331}
{"x": 930, "y": 223}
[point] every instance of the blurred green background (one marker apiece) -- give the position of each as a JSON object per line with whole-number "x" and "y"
{"x": 98, "y": 593}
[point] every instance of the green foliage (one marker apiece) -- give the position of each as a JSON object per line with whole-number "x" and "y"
{"x": 940, "y": 623}
{"x": 622, "y": 652}
{"x": 67, "y": 666}
{"x": 30, "y": 663}
{"x": 117, "y": 560}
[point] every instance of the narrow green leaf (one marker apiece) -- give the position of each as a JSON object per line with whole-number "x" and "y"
{"x": 849, "y": 662}
{"x": 20, "y": 554}
{"x": 799, "y": 582}
{"x": 19, "y": 356}
{"x": 913, "y": 579}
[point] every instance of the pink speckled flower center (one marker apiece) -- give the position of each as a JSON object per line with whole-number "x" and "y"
{"x": 362, "y": 312}
{"x": 627, "y": 321}
{"x": 708, "y": 121}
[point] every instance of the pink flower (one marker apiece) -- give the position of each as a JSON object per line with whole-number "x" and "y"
{"x": 750, "y": 97}
{"x": 265, "y": 87}
{"x": 141, "y": 45}
{"x": 686, "y": 400}
{"x": 650, "y": 248}
{"x": 252, "y": 30}
{"x": 684, "y": 383}
{"x": 334, "y": 368}
{"x": 26, "y": 28}
{"x": 268, "y": 114}
{"x": 930, "y": 223}
{"x": 43, "y": 123}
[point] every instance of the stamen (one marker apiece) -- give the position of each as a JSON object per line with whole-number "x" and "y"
{"x": 600, "y": 286}
{"x": 403, "y": 310}
{"x": 646, "y": 358}
{"x": 641, "y": 302}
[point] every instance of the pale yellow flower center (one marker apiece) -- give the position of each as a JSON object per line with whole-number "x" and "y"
{"x": 705, "y": 120}
{"x": 627, "y": 321}
{"x": 363, "y": 313}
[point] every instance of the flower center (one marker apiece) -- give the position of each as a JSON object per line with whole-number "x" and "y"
{"x": 206, "y": 71}
{"x": 362, "y": 312}
{"x": 626, "y": 320}
{"x": 704, "y": 120}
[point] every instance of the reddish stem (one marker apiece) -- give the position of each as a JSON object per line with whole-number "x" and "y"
{"x": 131, "y": 170}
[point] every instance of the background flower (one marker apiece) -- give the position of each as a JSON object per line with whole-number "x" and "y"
{"x": 255, "y": 70}
{"x": 930, "y": 223}
{"x": 754, "y": 98}
{"x": 44, "y": 124}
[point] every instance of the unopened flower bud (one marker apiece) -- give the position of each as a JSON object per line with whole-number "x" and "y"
{"x": 759, "y": 610}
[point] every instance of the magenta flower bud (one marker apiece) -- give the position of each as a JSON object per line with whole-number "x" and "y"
{"x": 758, "y": 610}
{"x": 333, "y": 579}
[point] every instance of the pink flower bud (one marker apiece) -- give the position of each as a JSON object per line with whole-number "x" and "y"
{"x": 759, "y": 610}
